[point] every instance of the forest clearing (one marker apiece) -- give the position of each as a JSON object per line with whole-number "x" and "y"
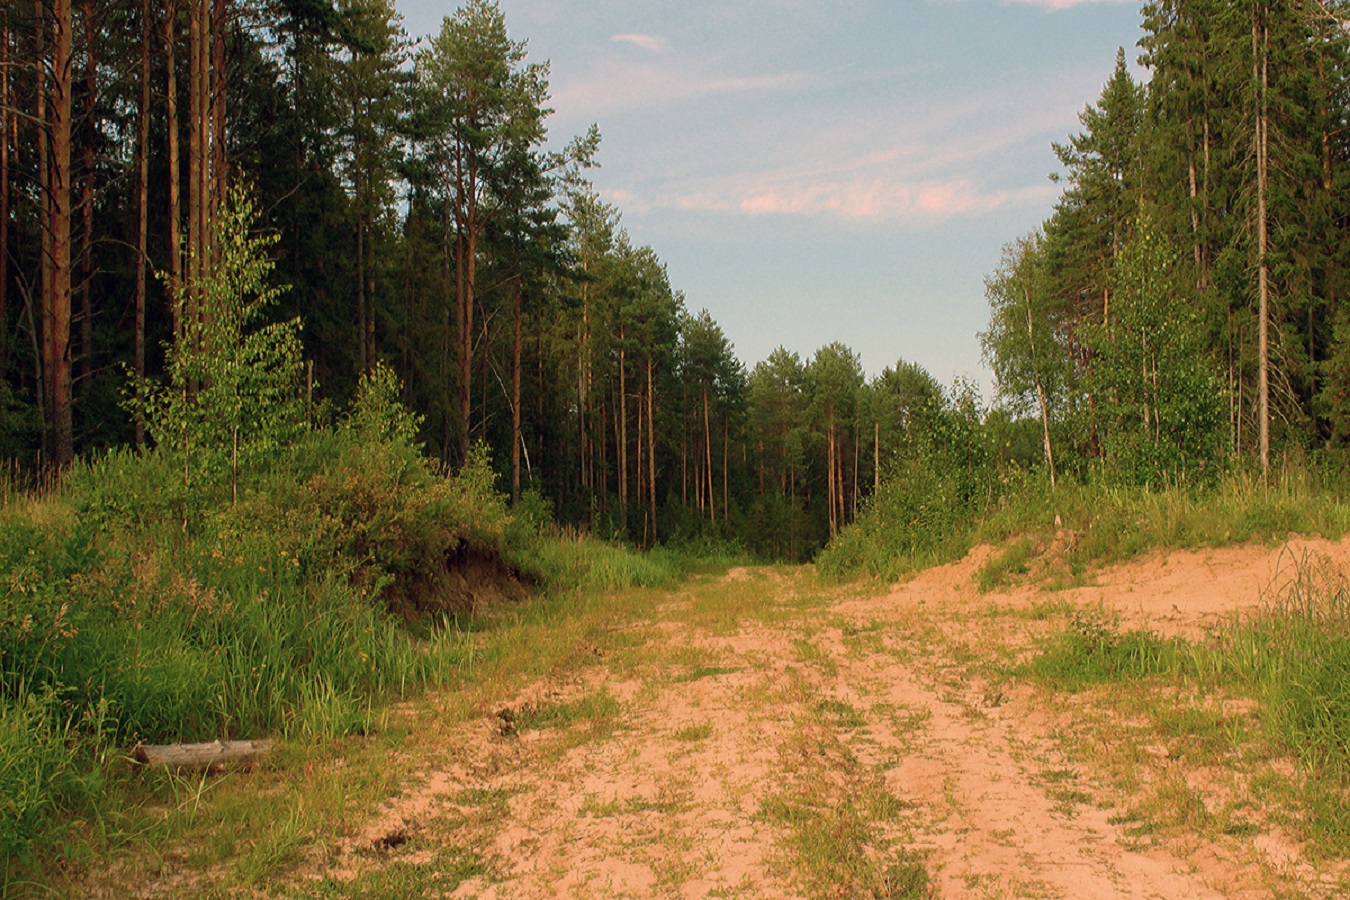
{"x": 349, "y": 409}
{"x": 760, "y": 734}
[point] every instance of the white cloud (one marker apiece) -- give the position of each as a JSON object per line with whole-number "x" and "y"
{"x": 648, "y": 42}
{"x": 619, "y": 86}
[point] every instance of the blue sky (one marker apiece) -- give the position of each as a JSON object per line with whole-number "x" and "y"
{"x": 825, "y": 170}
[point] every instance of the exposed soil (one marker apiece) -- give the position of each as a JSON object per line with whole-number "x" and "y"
{"x": 675, "y": 781}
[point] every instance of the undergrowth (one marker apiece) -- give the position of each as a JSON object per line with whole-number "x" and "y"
{"x": 135, "y": 609}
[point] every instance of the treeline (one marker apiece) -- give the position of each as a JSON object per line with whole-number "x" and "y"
{"x": 418, "y": 217}
{"x": 1178, "y": 311}
{"x": 1184, "y": 306}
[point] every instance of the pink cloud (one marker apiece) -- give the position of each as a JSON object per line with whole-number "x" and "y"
{"x": 878, "y": 199}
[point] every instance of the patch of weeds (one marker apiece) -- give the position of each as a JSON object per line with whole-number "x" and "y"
{"x": 694, "y": 733}
{"x": 445, "y": 872}
{"x": 1062, "y": 788}
{"x": 277, "y": 848}
{"x": 1001, "y": 570}
{"x": 909, "y": 723}
{"x": 599, "y": 709}
{"x": 701, "y": 672}
{"x": 842, "y": 715}
{"x": 666, "y": 803}
{"x": 1181, "y": 804}
{"x": 811, "y": 654}
{"x": 852, "y": 629}
{"x": 1239, "y": 828}
{"x": 595, "y": 808}
{"x": 905, "y": 879}
{"x": 838, "y": 821}
{"x": 1041, "y": 610}
{"x": 1204, "y": 735}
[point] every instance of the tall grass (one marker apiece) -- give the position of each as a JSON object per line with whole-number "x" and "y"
{"x": 1294, "y": 656}
{"x": 1291, "y": 656}
{"x": 908, "y": 527}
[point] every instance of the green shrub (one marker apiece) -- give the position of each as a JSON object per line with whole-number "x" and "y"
{"x": 921, "y": 515}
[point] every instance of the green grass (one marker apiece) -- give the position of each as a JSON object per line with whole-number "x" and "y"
{"x": 1093, "y": 651}
{"x": 1288, "y": 663}
{"x": 1064, "y": 534}
{"x": 694, "y": 733}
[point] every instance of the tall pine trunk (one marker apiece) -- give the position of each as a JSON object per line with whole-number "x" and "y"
{"x": 56, "y": 306}
{"x": 1260, "y": 77}
{"x": 86, "y": 278}
{"x": 8, "y": 121}
{"x": 142, "y": 207}
{"x": 172, "y": 125}
{"x": 623, "y": 434}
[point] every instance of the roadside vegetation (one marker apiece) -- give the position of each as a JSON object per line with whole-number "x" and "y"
{"x": 340, "y": 575}
{"x": 266, "y": 570}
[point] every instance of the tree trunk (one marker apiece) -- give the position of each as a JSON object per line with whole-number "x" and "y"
{"x": 215, "y": 755}
{"x": 196, "y": 154}
{"x": 584, "y": 384}
{"x": 45, "y": 276}
{"x": 446, "y": 417}
{"x": 651, "y": 448}
{"x": 1260, "y": 75}
{"x": 623, "y": 434}
{"x": 8, "y": 121}
{"x": 829, "y": 476}
{"x": 515, "y": 397}
{"x": 56, "y": 306}
{"x": 87, "y": 193}
{"x": 142, "y": 208}
{"x": 876, "y": 457}
{"x": 217, "y": 180}
{"x": 1040, "y": 393}
{"x": 175, "y": 169}
{"x": 363, "y": 361}
{"x": 707, "y": 447}
{"x": 726, "y": 469}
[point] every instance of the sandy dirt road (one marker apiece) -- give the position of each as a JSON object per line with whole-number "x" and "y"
{"x": 761, "y": 736}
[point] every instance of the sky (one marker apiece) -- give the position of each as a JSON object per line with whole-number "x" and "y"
{"x": 825, "y": 170}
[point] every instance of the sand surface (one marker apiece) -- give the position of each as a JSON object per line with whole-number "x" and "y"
{"x": 881, "y": 695}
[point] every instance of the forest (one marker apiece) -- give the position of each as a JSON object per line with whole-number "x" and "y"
{"x": 417, "y": 217}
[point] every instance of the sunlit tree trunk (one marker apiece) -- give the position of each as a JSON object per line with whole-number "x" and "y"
{"x": 86, "y": 204}
{"x": 707, "y": 448}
